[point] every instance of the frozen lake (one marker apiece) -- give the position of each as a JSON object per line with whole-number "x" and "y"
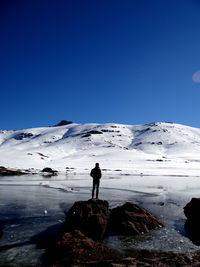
{"x": 31, "y": 205}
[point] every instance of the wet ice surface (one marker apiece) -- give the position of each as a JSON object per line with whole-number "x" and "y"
{"x": 31, "y": 204}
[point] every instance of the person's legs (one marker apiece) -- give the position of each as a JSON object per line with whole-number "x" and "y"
{"x": 93, "y": 188}
{"x": 97, "y": 188}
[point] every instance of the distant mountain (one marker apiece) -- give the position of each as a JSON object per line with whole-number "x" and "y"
{"x": 154, "y": 148}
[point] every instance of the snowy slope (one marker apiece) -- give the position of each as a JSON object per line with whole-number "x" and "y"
{"x": 160, "y": 148}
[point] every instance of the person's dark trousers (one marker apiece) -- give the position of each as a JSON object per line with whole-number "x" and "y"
{"x": 96, "y": 183}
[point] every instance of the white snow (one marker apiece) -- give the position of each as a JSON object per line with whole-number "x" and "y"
{"x": 160, "y": 148}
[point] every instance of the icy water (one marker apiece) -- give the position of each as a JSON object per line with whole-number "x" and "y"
{"x": 32, "y": 211}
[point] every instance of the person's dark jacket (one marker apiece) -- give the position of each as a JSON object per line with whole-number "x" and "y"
{"x": 96, "y": 173}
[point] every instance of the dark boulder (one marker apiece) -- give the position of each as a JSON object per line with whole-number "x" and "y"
{"x": 90, "y": 217}
{"x": 49, "y": 170}
{"x": 192, "y": 209}
{"x": 130, "y": 219}
{"x": 192, "y": 224}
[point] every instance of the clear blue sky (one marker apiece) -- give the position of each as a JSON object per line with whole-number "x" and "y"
{"x": 123, "y": 61}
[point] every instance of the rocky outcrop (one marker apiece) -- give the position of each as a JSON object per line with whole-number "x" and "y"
{"x": 192, "y": 224}
{"x": 130, "y": 219}
{"x": 5, "y": 171}
{"x": 93, "y": 218}
{"x": 76, "y": 248}
{"x": 145, "y": 258}
{"x": 192, "y": 209}
{"x": 90, "y": 217}
{"x": 49, "y": 171}
{"x": 22, "y": 136}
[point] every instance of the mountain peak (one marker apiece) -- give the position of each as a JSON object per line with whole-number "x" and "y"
{"x": 62, "y": 123}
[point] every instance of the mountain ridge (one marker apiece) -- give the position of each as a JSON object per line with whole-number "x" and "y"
{"x": 153, "y": 148}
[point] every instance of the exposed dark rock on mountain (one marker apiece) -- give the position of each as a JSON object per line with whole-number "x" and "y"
{"x": 21, "y": 136}
{"x": 89, "y": 133}
{"x": 130, "y": 219}
{"x": 62, "y": 123}
{"x": 192, "y": 225}
{"x": 90, "y": 217}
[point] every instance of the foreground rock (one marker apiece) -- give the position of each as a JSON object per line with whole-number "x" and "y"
{"x": 5, "y": 171}
{"x": 93, "y": 218}
{"x": 77, "y": 250}
{"x": 130, "y": 219}
{"x": 192, "y": 225}
{"x": 90, "y": 217}
{"x": 145, "y": 258}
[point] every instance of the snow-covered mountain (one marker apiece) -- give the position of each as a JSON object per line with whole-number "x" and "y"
{"x": 154, "y": 148}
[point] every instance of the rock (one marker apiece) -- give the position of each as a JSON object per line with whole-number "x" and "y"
{"x": 21, "y": 136}
{"x": 49, "y": 170}
{"x": 130, "y": 219}
{"x": 192, "y": 211}
{"x": 76, "y": 250}
{"x": 93, "y": 218}
{"x": 75, "y": 247}
{"x": 5, "y": 171}
{"x": 1, "y": 232}
{"x": 90, "y": 217}
{"x": 89, "y": 133}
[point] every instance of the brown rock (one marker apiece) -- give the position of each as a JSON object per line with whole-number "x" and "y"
{"x": 130, "y": 219}
{"x": 75, "y": 247}
{"x": 90, "y": 217}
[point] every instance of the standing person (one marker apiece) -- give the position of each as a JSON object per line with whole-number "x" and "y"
{"x": 96, "y": 175}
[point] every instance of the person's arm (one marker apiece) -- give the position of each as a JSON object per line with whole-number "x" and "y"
{"x": 91, "y": 173}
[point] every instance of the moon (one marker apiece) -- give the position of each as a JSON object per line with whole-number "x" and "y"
{"x": 196, "y": 77}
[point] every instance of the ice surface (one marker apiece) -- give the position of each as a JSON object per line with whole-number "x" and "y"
{"x": 23, "y": 204}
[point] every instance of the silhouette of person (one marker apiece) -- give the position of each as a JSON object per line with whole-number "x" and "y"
{"x": 96, "y": 175}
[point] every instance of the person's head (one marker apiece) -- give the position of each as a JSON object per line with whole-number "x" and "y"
{"x": 97, "y": 165}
